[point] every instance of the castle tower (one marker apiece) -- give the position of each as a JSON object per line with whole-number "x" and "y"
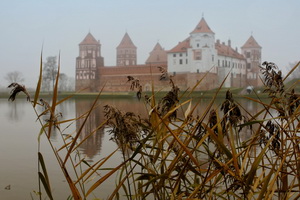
{"x": 157, "y": 56}
{"x": 196, "y": 54}
{"x": 126, "y": 52}
{"x": 87, "y": 64}
{"x": 252, "y": 52}
{"x": 202, "y": 52}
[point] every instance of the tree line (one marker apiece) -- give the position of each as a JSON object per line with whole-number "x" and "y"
{"x": 50, "y": 69}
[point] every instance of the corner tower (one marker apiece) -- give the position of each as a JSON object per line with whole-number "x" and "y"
{"x": 87, "y": 64}
{"x": 252, "y": 52}
{"x": 126, "y": 52}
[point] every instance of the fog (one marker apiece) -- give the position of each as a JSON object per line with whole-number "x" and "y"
{"x": 59, "y": 26}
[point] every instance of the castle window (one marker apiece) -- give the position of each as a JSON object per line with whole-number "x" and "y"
{"x": 248, "y": 54}
{"x": 180, "y": 61}
{"x": 197, "y": 54}
{"x": 248, "y": 65}
{"x": 180, "y": 54}
{"x": 186, "y": 61}
{"x": 174, "y": 55}
{"x": 213, "y": 58}
{"x": 198, "y": 45}
{"x": 218, "y": 63}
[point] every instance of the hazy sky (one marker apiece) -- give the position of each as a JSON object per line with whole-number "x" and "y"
{"x": 62, "y": 24}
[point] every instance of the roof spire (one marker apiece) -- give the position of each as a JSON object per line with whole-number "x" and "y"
{"x": 126, "y": 42}
{"x": 250, "y": 43}
{"x": 202, "y": 27}
{"x": 89, "y": 40}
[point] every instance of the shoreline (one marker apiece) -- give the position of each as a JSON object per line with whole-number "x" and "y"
{"x": 132, "y": 94}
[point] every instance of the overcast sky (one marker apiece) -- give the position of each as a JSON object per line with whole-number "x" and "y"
{"x": 60, "y": 25}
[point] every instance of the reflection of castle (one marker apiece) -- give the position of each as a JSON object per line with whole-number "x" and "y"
{"x": 92, "y": 146}
{"x": 188, "y": 61}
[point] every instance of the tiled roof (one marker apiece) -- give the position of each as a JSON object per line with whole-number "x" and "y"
{"x": 181, "y": 46}
{"x": 157, "y": 55}
{"x": 225, "y": 50}
{"x": 126, "y": 42}
{"x": 251, "y": 42}
{"x": 89, "y": 40}
{"x": 202, "y": 27}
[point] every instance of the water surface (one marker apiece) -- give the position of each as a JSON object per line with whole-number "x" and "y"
{"x": 19, "y": 144}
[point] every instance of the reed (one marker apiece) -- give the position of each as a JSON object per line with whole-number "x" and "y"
{"x": 191, "y": 157}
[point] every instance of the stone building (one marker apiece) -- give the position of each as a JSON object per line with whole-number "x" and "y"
{"x": 197, "y": 58}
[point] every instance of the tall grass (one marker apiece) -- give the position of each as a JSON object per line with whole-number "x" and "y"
{"x": 191, "y": 157}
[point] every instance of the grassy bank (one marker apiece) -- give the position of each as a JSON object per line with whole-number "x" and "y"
{"x": 237, "y": 92}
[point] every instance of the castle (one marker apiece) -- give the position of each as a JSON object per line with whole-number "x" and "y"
{"x": 198, "y": 57}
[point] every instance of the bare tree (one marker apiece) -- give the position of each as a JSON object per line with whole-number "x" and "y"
{"x": 14, "y": 77}
{"x": 63, "y": 82}
{"x": 66, "y": 83}
{"x": 296, "y": 73}
{"x": 49, "y": 73}
{"x": 71, "y": 84}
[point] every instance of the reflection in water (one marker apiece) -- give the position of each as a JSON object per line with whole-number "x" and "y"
{"x": 92, "y": 145}
{"x": 16, "y": 110}
{"x": 18, "y": 168}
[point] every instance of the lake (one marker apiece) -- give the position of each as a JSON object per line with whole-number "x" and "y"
{"x": 19, "y": 144}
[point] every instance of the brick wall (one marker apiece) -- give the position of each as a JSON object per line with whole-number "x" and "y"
{"x": 114, "y": 79}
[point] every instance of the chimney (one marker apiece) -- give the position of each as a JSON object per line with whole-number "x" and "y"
{"x": 229, "y": 43}
{"x": 218, "y": 41}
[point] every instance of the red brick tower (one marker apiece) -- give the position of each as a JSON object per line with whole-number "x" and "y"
{"x": 126, "y": 52}
{"x": 252, "y": 52}
{"x": 87, "y": 64}
{"x": 157, "y": 56}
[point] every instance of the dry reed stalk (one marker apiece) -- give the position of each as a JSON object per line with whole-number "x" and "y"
{"x": 193, "y": 157}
